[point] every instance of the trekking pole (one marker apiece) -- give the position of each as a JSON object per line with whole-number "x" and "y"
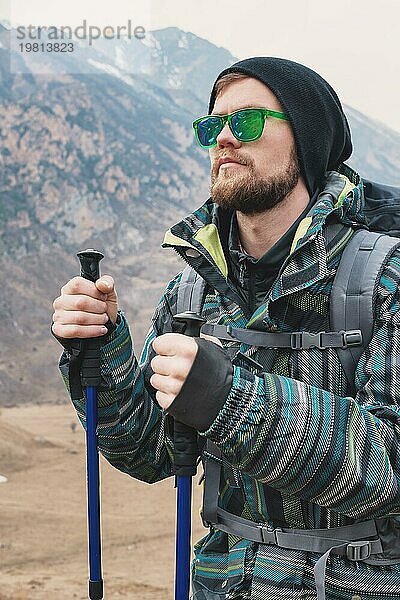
{"x": 91, "y": 378}
{"x": 185, "y": 466}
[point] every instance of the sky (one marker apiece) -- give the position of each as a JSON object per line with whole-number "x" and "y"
{"x": 354, "y": 44}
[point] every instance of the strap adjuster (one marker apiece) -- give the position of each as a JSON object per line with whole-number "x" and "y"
{"x": 303, "y": 340}
{"x": 358, "y": 550}
{"x": 353, "y": 337}
{"x": 269, "y": 536}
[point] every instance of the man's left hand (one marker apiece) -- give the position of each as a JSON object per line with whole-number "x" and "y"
{"x": 175, "y": 355}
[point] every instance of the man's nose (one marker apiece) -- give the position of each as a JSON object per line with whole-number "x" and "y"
{"x": 226, "y": 137}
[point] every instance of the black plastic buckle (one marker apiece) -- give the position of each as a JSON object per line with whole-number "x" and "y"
{"x": 358, "y": 550}
{"x": 269, "y": 536}
{"x": 351, "y": 338}
{"x": 303, "y": 340}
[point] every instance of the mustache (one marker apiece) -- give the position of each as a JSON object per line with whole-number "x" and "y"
{"x": 240, "y": 159}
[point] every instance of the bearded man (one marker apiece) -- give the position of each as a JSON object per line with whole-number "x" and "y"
{"x": 302, "y": 462}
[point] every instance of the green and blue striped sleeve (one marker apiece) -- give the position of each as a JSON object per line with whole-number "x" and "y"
{"x": 342, "y": 453}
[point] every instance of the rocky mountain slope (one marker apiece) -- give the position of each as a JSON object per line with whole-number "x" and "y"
{"x": 104, "y": 157}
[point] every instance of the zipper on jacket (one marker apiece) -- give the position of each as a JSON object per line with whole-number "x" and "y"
{"x": 242, "y": 271}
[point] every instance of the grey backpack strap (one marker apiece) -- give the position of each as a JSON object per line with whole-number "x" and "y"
{"x": 191, "y": 291}
{"x": 351, "y": 302}
{"x": 297, "y": 340}
{"x": 212, "y": 477}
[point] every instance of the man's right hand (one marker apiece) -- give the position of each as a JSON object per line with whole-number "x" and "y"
{"x": 84, "y": 307}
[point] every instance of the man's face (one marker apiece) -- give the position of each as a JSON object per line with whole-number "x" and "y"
{"x": 267, "y": 169}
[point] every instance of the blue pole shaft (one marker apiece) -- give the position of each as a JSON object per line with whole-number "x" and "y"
{"x": 91, "y": 378}
{"x": 93, "y": 489}
{"x": 183, "y": 537}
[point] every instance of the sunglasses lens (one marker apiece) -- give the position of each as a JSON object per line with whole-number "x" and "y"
{"x": 208, "y": 130}
{"x": 247, "y": 124}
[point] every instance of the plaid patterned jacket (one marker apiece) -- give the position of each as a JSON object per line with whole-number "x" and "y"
{"x": 293, "y": 432}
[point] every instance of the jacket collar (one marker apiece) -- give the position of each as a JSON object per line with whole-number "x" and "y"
{"x": 201, "y": 239}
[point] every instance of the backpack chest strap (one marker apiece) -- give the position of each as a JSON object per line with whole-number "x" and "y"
{"x": 298, "y": 340}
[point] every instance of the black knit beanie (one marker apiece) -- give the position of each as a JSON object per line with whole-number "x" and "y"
{"x": 320, "y": 127}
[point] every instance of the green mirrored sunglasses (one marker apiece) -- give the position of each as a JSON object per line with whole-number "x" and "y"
{"x": 246, "y": 125}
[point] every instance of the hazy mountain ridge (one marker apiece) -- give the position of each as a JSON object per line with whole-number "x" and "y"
{"x": 106, "y": 158}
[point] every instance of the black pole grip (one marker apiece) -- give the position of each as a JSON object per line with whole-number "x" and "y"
{"x": 189, "y": 323}
{"x": 90, "y": 263}
{"x": 186, "y": 450}
{"x": 90, "y": 269}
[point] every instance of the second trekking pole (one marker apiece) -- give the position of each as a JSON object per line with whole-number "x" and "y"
{"x": 185, "y": 465}
{"x": 91, "y": 379}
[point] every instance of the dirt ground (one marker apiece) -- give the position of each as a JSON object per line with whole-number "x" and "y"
{"x": 43, "y": 532}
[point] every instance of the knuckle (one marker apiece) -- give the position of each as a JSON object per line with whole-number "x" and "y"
{"x": 175, "y": 386}
{"x": 190, "y": 347}
{"x": 72, "y": 285}
{"x": 80, "y": 317}
{"x": 180, "y": 376}
{"x": 75, "y": 284}
{"x": 71, "y": 330}
{"x": 80, "y": 303}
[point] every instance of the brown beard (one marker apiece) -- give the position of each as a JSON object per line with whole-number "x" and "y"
{"x": 252, "y": 195}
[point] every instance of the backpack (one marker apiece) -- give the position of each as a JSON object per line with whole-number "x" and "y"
{"x": 351, "y": 305}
